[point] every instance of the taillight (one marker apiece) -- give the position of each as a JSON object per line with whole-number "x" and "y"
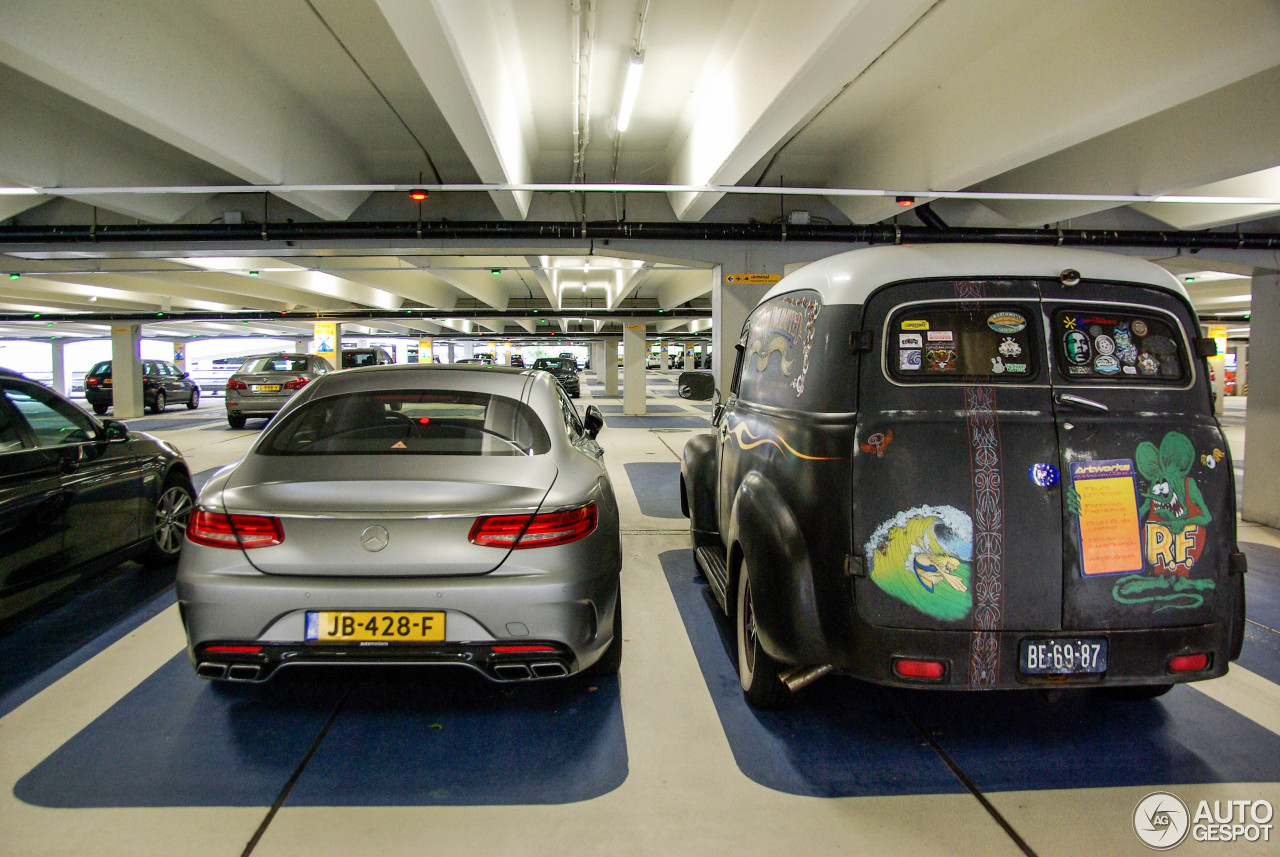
{"x": 535, "y": 531}
{"x": 296, "y": 383}
{"x": 216, "y": 530}
{"x": 233, "y": 384}
{"x": 92, "y": 381}
{"x": 233, "y": 650}
{"x": 1188, "y": 663}
{"x": 912, "y": 668}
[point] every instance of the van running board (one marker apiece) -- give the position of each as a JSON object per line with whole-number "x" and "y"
{"x": 711, "y": 561}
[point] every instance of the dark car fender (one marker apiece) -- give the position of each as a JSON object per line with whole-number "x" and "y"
{"x": 782, "y": 587}
{"x": 698, "y": 484}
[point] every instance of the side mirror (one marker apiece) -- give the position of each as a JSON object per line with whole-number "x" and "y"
{"x": 593, "y": 421}
{"x": 698, "y": 386}
{"x": 114, "y": 430}
{"x": 185, "y": 375}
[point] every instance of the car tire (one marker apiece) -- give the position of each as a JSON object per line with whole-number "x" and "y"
{"x": 158, "y": 406}
{"x": 1138, "y": 692}
{"x": 611, "y": 661}
{"x": 171, "y": 513}
{"x": 236, "y": 421}
{"x": 194, "y": 401}
{"x": 100, "y": 409}
{"x": 757, "y": 671}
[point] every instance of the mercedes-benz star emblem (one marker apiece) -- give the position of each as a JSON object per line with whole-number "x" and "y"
{"x": 374, "y": 539}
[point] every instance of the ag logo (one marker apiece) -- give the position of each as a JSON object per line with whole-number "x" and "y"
{"x": 1161, "y": 821}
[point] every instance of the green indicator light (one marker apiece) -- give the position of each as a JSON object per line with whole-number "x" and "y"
{"x": 48, "y": 324}
{"x": 244, "y": 322}
{"x": 159, "y": 315}
{"x": 1188, "y": 279}
{"x": 253, "y": 273}
{"x": 496, "y": 271}
{"x": 37, "y": 315}
{"x": 14, "y": 276}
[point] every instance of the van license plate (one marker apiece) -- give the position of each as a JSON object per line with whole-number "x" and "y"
{"x": 1063, "y": 656}
{"x": 369, "y": 626}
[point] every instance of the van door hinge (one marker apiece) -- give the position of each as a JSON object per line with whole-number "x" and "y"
{"x": 854, "y": 566}
{"x": 860, "y": 341}
{"x": 1206, "y": 347}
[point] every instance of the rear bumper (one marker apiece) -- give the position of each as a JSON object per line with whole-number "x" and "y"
{"x": 1134, "y": 657}
{"x": 266, "y": 406}
{"x": 236, "y": 605}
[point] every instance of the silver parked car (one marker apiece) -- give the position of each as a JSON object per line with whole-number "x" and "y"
{"x": 420, "y": 513}
{"x": 263, "y": 384}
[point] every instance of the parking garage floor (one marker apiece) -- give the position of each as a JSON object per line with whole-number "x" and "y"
{"x": 110, "y": 745}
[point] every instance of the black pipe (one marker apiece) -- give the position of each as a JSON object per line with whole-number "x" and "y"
{"x": 358, "y": 315}
{"x": 929, "y": 217}
{"x": 22, "y": 236}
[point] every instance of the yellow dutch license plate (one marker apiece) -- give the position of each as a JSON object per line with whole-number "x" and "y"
{"x": 349, "y": 626}
{"x": 106, "y": 382}
{"x": 267, "y": 388}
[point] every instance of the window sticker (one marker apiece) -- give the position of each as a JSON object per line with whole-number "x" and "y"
{"x": 909, "y": 360}
{"x": 1006, "y": 322}
{"x": 910, "y": 340}
{"x": 941, "y": 336}
{"x": 915, "y": 324}
{"x": 1107, "y": 347}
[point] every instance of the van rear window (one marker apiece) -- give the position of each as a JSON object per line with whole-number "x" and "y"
{"x": 1099, "y": 344}
{"x": 934, "y": 342}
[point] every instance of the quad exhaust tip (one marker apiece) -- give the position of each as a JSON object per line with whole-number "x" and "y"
{"x": 802, "y": 677}
{"x": 232, "y": 672}
{"x": 524, "y": 672}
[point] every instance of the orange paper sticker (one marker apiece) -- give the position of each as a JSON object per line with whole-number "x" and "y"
{"x": 1110, "y": 540}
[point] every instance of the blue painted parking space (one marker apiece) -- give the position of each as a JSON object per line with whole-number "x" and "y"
{"x": 843, "y": 742}
{"x": 847, "y": 738}
{"x": 380, "y": 737}
{"x": 657, "y": 487}
{"x": 659, "y": 422}
{"x": 1261, "y": 652}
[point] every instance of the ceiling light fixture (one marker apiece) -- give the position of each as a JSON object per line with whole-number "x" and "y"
{"x": 629, "y": 90}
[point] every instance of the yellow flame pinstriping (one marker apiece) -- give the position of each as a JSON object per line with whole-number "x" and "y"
{"x": 741, "y": 429}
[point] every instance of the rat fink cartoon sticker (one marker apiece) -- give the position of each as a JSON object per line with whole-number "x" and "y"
{"x": 923, "y": 557}
{"x": 1172, "y": 516}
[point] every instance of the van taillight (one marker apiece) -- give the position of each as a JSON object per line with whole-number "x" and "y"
{"x": 913, "y": 668}
{"x": 1188, "y": 663}
{"x": 535, "y": 531}
{"x": 216, "y": 530}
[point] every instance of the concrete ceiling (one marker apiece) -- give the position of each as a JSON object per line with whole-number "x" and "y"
{"x": 310, "y": 110}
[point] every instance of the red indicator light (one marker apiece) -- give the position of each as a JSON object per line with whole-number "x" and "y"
{"x": 906, "y": 201}
{"x": 424, "y": 421}
{"x": 417, "y": 195}
{"x": 1188, "y": 663}
{"x": 521, "y": 650}
{"x": 908, "y": 668}
{"x": 235, "y": 650}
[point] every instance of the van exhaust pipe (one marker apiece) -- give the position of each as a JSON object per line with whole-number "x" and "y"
{"x": 801, "y": 677}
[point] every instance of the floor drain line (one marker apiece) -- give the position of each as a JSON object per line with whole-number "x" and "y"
{"x": 302, "y": 766}
{"x": 964, "y": 779}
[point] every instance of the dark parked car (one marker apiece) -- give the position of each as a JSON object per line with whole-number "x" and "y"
{"x": 354, "y": 357}
{"x": 262, "y": 384}
{"x": 78, "y": 495}
{"x": 162, "y": 383}
{"x": 566, "y": 371}
{"x": 971, "y": 468}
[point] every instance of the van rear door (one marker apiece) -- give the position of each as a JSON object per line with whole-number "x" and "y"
{"x": 1149, "y": 511}
{"x": 956, "y": 518}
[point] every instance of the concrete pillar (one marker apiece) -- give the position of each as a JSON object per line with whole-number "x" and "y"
{"x": 466, "y": 350}
{"x": 180, "y": 356}
{"x": 1261, "y": 501}
{"x": 686, "y": 359}
{"x": 1242, "y": 368}
{"x": 452, "y": 355}
{"x": 610, "y": 362}
{"x": 634, "y": 388}
{"x": 59, "y": 359}
{"x": 301, "y": 346}
{"x": 730, "y": 304}
{"x": 597, "y": 361}
{"x": 664, "y": 359}
{"x": 126, "y": 371}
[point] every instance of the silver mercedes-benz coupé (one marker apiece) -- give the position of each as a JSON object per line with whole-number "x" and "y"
{"x": 425, "y": 514}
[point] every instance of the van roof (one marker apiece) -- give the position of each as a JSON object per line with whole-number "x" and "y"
{"x": 848, "y": 278}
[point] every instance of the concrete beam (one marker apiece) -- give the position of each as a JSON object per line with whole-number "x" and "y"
{"x": 198, "y": 90}
{"x": 462, "y": 53}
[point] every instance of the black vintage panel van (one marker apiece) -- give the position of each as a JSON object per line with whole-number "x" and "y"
{"x": 971, "y": 467}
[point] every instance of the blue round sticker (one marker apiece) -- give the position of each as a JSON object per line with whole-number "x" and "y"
{"x": 1044, "y": 475}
